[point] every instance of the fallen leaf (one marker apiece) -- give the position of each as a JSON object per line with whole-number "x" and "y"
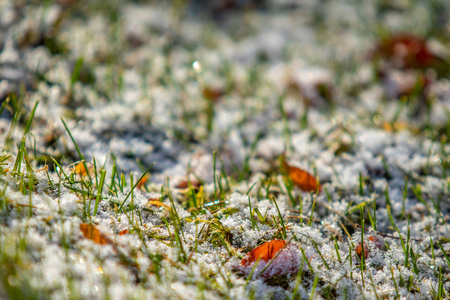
{"x": 184, "y": 184}
{"x": 123, "y": 232}
{"x": 285, "y": 259}
{"x": 158, "y": 204}
{"x": 406, "y": 51}
{"x": 372, "y": 241}
{"x": 142, "y": 182}
{"x": 80, "y": 169}
{"x": 358, "y": 250}
{"x": 265, "y": 252}
{"x": 212, "y": 94}
{"x": 92, "y": 233}
{"x": 305, "y": 181}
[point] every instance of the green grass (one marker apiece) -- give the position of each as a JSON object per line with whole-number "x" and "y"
{"x": 97, "y": 185}
{"x": 184, "y": 237}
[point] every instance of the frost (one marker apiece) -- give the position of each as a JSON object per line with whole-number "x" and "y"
{"x": 374, "y": 141}
{"x": 292, "y": 78}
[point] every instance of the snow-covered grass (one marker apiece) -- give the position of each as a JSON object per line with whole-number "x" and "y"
{"x": 144, "y": 148}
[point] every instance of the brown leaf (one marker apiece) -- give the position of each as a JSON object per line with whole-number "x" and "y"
{"x": 92, "y": 233}
{"x": 358, "y": 250}
{"x": 305, "y": 181}
{"x": 212, "y": 94}
{"x": 184, "y": 184}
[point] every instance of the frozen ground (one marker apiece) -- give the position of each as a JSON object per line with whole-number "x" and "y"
{"x": 216, "y": 93}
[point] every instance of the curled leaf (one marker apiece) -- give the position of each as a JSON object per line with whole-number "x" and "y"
{"x": 92, "y": 233}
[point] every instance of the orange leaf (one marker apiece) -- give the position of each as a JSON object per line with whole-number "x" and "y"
{"x": 91, "y": 232}
{"x": 123, "y": 232}
{"x": 80, "y": 169}
{"x": 305, "y": 181}
{"x": 265, "y": 252}
{"x": 142, "y": 182}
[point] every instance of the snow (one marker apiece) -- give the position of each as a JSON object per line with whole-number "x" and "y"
{"x": 150, "y": 63}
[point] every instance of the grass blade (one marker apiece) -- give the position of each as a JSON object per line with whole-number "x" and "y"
{"x": 134, "y": 186}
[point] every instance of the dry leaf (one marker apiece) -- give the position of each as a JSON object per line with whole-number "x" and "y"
{"x": 406, "y": 51}
{"x": 123, "y": 232}
{"x": 43, "y": 169}
{"x": 373, "y": 242}
{"x": 80, "y": 169}
{"x": 285, "y": 259}
{"x": 358, "y": 250}
{"x": 91, "y": 232}
{"x": 158, "y": 204}
{"x": 212, "y": 94}
{"x": 142, "y": 182}
{"x": 399, "y": 126}
{"x": 305, "y": 181}
{"x": 184, "y": 184}
{"x": 265, "y": 252}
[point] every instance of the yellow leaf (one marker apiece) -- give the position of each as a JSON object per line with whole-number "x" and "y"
{"x": 158, "y": 204}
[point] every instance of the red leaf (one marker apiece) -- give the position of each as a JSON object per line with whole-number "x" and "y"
{"x": 406, "y": 51}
